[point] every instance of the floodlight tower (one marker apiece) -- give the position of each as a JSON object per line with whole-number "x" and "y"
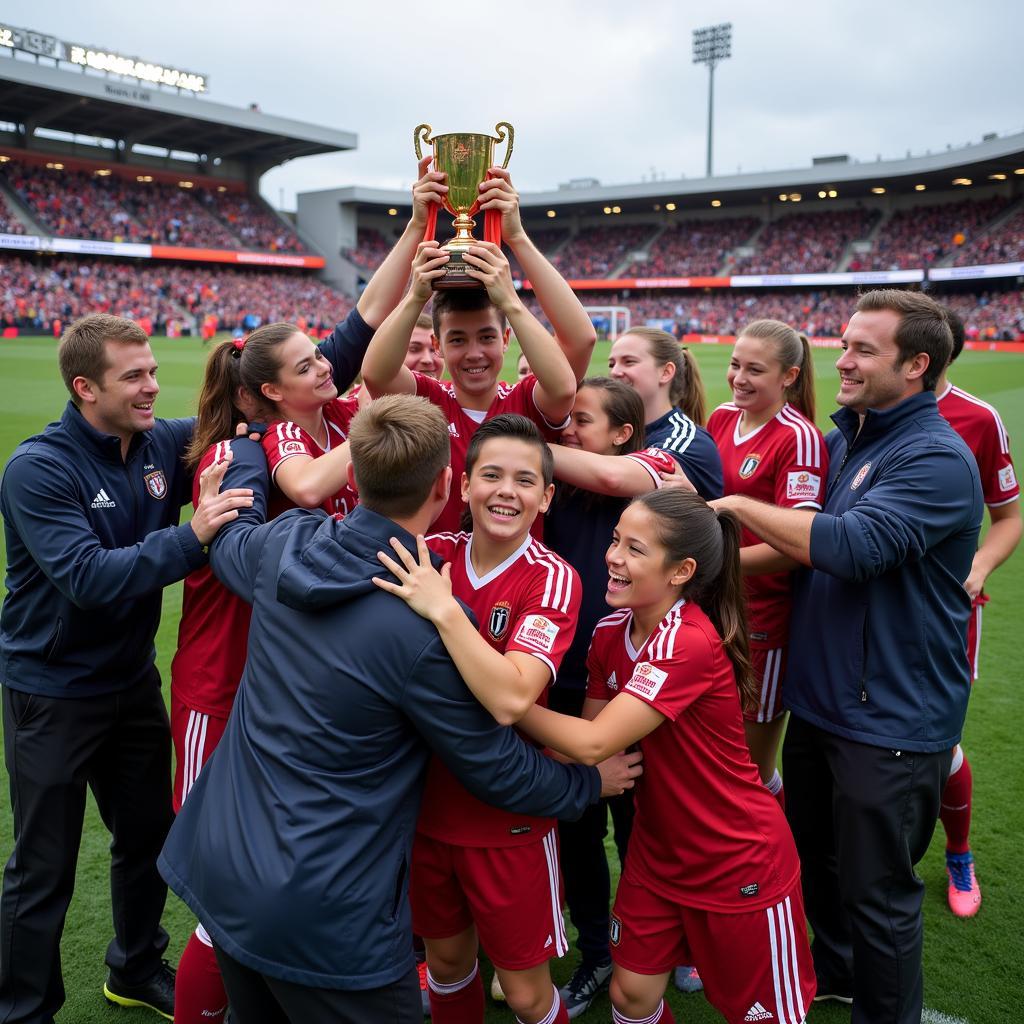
{"x": 711, "y": 45}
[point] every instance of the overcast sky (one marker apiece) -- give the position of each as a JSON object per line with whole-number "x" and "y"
{"x": 594, "y": 88}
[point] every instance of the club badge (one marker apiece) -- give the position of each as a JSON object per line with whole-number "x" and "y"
{"x": 497, "y": 624}
{"x": 859, "y": 478}
{"x": 749, "y": 464}
{"x": 156, "y": 484}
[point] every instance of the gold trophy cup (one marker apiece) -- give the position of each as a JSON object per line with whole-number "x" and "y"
{"x": 465, "y": 158}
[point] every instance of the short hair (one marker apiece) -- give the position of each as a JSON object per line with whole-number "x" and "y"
{"x": 462, "y": 300}
{"x": 957, "y": 329}
{"x": 517, "y": 428}
{"x": 425, "y": 322}
{"x": 399, "y": 445}
{"x": 923, "y": 327}
{"x": 82, "y": 351}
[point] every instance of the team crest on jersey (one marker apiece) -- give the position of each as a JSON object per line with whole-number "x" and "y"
{"x": 859, "y": 478}
{"x": 802, "y": 485}
{"x": 538, "y": 631}
{"x": 615, "y": 930}
{"x": 1007, "y": 480}
{"x": 156, "y": 483}
{"x": 497, "y": 624}
{"x": 748, "y": 465}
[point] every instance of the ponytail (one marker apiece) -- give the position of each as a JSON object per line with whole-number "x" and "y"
{"x": 791, "y": 349}
{"x": 686, "y": 389}
{"x": 689, "y": 527}
{"x": 800, "y": 394}
{"x": 218, "y": 412}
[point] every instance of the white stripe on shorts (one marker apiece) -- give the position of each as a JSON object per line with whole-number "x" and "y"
{"x": 789, "y": 1003}
{"x": 195, "y": 747}
{"x": 557, "y": 920}
{"x": 770, "y": 683}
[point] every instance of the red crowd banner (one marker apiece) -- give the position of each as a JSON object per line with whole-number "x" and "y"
{"x": 974, "y": 346}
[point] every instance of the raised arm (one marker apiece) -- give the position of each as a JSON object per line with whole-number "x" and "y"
{"x": 309, "y": 481}
{"x": 574, "y": 330}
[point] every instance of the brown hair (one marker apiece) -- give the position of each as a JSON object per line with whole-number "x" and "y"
{"x": 690, "y": 528}
{"x": 519, "y": 428}
{"x": 425, "y": 322}
{"x": 957, "y": 329}
{"x": 791, "y": 349}
{"x": 687, "y": 388}
{"x": 82, "y": 351}
{"x": 622, "y": 405}
{"x": 923, "y": 327}
{"x": 462, "y": 300}
{"x": 399, "y": 445}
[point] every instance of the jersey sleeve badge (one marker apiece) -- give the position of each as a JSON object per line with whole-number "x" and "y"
{"x": 646, "y": 681}
{"x": 802, "y": 485}
{"x": 1007, "y": 479}
{"x": 538, "y": 631}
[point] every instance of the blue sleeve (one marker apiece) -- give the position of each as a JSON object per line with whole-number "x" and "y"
{"x": 701, "y": 463}
{"x": 924, "y": 495}
{"x": 235, "y": 551}
{"x": 491, "y": 761}
{"x": 345, "y": 347}
{"x": 41, "y": 503}
{"x": 181, "y": 435}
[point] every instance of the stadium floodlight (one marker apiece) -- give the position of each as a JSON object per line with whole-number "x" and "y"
{"x": 711, "y": 45}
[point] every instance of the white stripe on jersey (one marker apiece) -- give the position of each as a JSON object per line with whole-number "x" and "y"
{"x": 684, "y": 430}
{"x": 195, "y": 747}
{"x": 557, "y": 920}
{"x": 558, "y": 588}
{"x": 1004, "y": 439}
{"x": 663, "y": 644}
{"x": 808, "y": 441}
{"x": 614, "y": 619}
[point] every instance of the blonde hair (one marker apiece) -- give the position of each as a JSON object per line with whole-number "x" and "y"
{"x": 791, "y": 349}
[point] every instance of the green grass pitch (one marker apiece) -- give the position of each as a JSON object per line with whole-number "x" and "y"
{"x": 973, "y": 968}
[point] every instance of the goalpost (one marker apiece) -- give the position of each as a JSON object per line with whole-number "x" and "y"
{"x": 619, "y": 318}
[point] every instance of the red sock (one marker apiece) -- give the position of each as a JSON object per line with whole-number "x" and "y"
{"x": 955, "y": 812}
{"x": 459, "y": 1003}
{"x": 199, "y": 996}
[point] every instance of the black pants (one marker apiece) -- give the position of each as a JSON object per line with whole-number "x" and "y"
{"x": 582, "y": 856}
{"x": 119, "y": 746}
{"x": 258, "y": 999}
{"x": 862, "y": 818}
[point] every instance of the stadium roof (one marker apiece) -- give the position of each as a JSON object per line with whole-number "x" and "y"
{"x": 38, "y": 95}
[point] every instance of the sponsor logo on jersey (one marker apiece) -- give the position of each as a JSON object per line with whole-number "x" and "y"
{"x": 802, "y": 484}
{"x": 520, "y": 830}
{"x": 539, "y": 632}
{"x": 748, "y": 465}
{"x": 611, "y": 682}
{"x": 750, "y": 890}
{"x": 497, "y": 624}
{"x": 859, "y": 478}
{"x": 156, "y": 483}
{"x": 615, "y": 930}
{"x": 1007, "y": 480}
{"x": 758, "y": 1012}
{"x": 646, "y": 680}
{"x": 103, "y": 500}
{"x": 291, "y": 448}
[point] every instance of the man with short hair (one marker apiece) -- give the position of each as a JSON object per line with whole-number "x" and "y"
{"x": 293, "y": 848}
{"x": 91, "y": 508}
{"x": 878, "y": 685}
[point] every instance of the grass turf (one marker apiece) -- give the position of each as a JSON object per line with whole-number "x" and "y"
{"x": 972, "y": 968}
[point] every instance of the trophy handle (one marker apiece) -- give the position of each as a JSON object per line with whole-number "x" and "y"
{"x": 424, "y": 130}
{"x": 500, "y": 129}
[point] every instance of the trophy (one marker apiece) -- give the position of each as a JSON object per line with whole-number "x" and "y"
{"x": 465, "y": 158}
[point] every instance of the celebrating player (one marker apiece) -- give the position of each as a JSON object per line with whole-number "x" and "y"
{"x": 712, "y": 876}
{"x": 667, "y": 379}
{"x": 771, "y": 450}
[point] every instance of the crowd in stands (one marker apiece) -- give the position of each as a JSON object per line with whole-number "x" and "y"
{"x": 9, "y": 224}
{"x": 36, "y": 294}
{"x": 597, "y": 251}
{"x": 371, "y": 248}
{"x": 693, "y": 248}
{"x": 547, "y": 240}
{"x": 811, "y": 242}
{"x": 924, "y": 235}
{"x": 256, "y": 226}
{"x": 1004, "y": 244}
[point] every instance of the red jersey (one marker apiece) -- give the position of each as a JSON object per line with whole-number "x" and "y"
{"x": 213, "y": 632}
{"x": 285, "y": 439}
{"x": 512, "y": 398}
{"x": 707, "y": 833}
{"x": 783, "y": 462}
{"x": 529, "y": 603}
{"x": 982, "y": 429}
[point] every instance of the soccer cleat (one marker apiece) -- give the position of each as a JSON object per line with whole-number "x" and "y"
{"x": 421, "y": 970}
{"x": 964, "y": 893}
{"x": 157, "y": 993}
{"x": 688, "y": 980}
{"x": 496, "y": 993}
{"x": 587, "y": 981}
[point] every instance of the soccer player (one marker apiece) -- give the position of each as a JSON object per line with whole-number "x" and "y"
{"x": 712, "y": 876}
{"x": 422, "y": 356}
{"x": 480, "y": 875}
{"x": 981, "y": 427}
{"x": 772, "y": 451}
{"x": 667, "y": 379}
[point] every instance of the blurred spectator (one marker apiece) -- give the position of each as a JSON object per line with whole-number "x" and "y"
{"x": 693, "y": 248}
{"x": 597, "y": 251}
{"x": 371, "y": 248}
{"x": 1005, "y": 244}
{"x": 9, "y": 224}
{"x": 256, "y": 226}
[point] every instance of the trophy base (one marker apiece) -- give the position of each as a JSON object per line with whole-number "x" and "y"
{"x": 455, "y": 275}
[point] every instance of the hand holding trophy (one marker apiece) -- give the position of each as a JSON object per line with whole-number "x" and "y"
{"x": 464, "y": 157}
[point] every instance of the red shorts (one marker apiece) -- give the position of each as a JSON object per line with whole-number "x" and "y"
{"x": 195, "y": 736}
{"x": 755, "y": 965}
{"x": 974, "y": 633}
{"x": 512, "y": 893}
{"x": 769, "y": 665}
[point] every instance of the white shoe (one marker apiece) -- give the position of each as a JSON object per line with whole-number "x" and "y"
{"x": 496, "y": 993}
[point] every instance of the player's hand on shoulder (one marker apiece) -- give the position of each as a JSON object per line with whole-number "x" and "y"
{"x": 497, "y": 193}
{"x": 677, "y": 478}
{"x": 425, "y": 590}
{"x": 215, "y": 508}
{"x": 620, "y": 772}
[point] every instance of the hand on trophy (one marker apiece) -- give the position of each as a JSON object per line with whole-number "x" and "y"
{"x": 497, "y": 193}
{"x": 487, "y": 264}
{"x": 429, "y": 188}
{"x": 427, "y": 267}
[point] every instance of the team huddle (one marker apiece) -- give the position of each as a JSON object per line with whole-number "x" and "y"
{"x": 386, "y": 575}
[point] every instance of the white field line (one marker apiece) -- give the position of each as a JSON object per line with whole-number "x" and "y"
{"x": 935, "y": 1017}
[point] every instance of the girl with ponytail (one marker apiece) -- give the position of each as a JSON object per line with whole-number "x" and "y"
{"x": 772, "y": 451}
{"x": 667, "y": 379}
{"x": 712, "y": 876}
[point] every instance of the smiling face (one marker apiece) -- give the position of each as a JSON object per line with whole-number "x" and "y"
{"x": 304, "y": 382}
{"x": 473, "y": 345}
{"x": 757, "y": 379}
{"x": 590, "y": 427}
{"x": 121, "y": 401}
{"x": 871, "y": 375}
{"x": 505, "y": 490}
{"x": 422, "y": 357}
{"x": 631, "y": 361}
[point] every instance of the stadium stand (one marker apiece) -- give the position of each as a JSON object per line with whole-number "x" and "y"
{"x": 9, "y": 224}
{"x": 1004, "y": 244}
{"x": 254, "y": 225}
{"x": 597, "y": 251}
{"x": 370, "y": 250}
{"x": 694, "y": 248}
